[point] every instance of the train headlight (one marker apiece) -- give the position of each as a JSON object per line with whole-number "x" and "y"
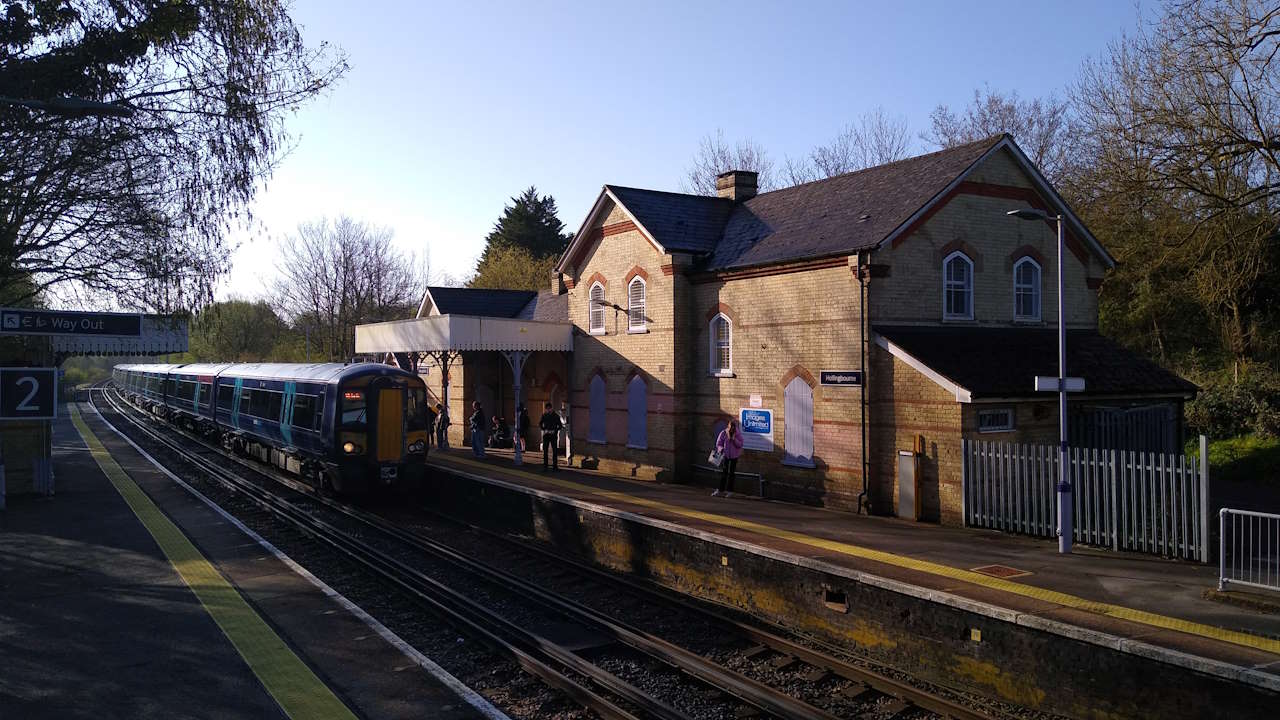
{"x": 350, "y": 448}
{"x": 417, "y": 446}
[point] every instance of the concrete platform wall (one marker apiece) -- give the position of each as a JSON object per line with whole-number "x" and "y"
{"x": 943, "y": 643}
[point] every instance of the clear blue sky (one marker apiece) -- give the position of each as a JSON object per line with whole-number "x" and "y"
{"x": 451, "y": 108}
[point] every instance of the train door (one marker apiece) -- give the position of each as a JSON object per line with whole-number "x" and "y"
{"x": 389, "y": 438}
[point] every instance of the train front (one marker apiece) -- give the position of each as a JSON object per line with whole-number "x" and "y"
{"x": 382, "y": 432}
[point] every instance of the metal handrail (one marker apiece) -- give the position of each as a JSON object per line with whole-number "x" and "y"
{"x": 1255, "y": 549}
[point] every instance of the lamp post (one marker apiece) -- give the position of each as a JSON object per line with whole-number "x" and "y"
{"x": 1065, "y": 521}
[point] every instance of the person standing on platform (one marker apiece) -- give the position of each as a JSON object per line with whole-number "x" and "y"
{"x": 551, "y": 426}
{"x": 563, "y": 444}
{"x": 729, "y": 445}
{"x": 442, "y": 426}
{"x": 522, "y": 428}
{"x": 477, "y": 430}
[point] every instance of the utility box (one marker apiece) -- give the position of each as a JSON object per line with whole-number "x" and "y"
{"x": 908, "y": 485}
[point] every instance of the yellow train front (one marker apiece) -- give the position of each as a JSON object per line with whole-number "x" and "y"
{"x": 347, "y": 428}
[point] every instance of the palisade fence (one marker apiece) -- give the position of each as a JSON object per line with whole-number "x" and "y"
{"x": 1126, "y": 500}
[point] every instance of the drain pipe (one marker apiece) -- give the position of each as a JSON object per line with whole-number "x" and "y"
{"x": 862, "y": 312}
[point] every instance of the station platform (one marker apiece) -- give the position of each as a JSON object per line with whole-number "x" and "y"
{"x": 1150, "y": 613}
{"x": 124, "y": 595}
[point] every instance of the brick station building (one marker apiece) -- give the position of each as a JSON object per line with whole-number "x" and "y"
{"x": 906, "y": 284}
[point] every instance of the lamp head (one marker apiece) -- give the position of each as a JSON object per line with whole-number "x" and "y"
{"x": 1030, "y": 214}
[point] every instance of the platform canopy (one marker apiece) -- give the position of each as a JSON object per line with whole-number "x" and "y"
{"x": 463, "y": 333}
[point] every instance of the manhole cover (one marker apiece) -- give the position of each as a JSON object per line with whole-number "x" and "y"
{"x": 1000, "y": 571}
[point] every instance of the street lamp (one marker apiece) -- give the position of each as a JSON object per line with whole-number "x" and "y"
{"x": 1065, "y": 524}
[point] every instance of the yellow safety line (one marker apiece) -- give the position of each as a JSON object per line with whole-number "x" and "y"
{"x": 1117, "y": 611}
{"x": 282, "y": 673}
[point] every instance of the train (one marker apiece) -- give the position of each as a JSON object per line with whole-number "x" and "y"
{"x": 346, "y": 428}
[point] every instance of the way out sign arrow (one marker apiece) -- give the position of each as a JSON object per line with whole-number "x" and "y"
{"x": 1049, "y": 383}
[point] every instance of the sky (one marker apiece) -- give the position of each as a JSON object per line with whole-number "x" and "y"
{"x": 449, "y": 109}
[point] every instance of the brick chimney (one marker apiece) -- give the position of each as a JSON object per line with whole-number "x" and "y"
{"x": 737, "y": 185}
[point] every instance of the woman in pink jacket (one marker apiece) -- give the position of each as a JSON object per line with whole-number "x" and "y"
{"x": 729, "y": 444}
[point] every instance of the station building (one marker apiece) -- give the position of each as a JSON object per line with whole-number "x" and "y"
{"x": 892, "y": 310}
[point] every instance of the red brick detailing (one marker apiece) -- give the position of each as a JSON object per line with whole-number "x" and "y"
{"x": 598, "y": 278}
{"x": 726, "y": 310}
{"x": 782, "y": 269}
{"x": 1093, "y": 283}
{"x": 1025, "y": 251}
{"x": 570, "y": 282}
{"x": 963, "y": 247}
{"x": 800, "y": 372}
{"x": 669, "y": 269}
{"x": 634, "y": 272}
{"x": 1008, "y": 192}
{"x": 618, "y": 228}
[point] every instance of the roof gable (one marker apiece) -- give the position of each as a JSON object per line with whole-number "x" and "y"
{"x": 476, "y": 301}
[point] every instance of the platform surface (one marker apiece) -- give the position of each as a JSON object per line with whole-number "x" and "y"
{"x": 100, "y": 616}
{"x": 1121, "y": 595}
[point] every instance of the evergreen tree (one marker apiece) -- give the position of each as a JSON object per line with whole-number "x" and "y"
{"x": 528, "y": 226}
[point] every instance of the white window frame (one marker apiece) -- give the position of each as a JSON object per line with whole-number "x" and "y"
{"x": 1034, "y": 289}
{"x": 958, "y": 254}
{"x": 632, "y": 327}
{"x": 1008, "y": 426}
{"x": 713, "y": 347}
{"x": 593, "y": 306}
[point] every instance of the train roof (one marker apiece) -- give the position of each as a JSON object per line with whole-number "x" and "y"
{"x": 314, "y": 372}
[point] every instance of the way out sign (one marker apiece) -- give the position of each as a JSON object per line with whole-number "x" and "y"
{"x": 28, "y": 393}
{"x": 757, "y": 428}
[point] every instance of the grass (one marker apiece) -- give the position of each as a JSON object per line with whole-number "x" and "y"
{"x": 1245, "y": 458}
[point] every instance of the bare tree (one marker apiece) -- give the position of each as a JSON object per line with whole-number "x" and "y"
{"x": 334, "y": 275}
{"x": 1185, "y": 116}
{"x": 716, "y": 156}
{"x": 1041, "y": 127}
{"x": 875, "y": 139}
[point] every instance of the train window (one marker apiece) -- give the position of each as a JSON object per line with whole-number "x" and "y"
{"x": 225, "y": 395}
{"x": 354, "y": 410}
{"x": 187, "y": 390}
{"x": 416, "y": 409}
{"x": 304, "y": 411}
{"x": 260, "y": 405}
{"x": 274, "y": 400}
{"x": 245, "y": 395}
{"x": 205, "y": 389}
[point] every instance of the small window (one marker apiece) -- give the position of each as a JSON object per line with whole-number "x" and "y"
{"x": 596, "y": 410}
{"x": 721, "y": 362}
{"x": 596, "y": 309}
{"x": 246, "y": 396}
{"x": 1000, "y": 420}
{"x": 1026, "y": 290}
{"x": 635, "y": 305}
{"x": 225, "y": 394}
{"x": 957, "y": 287}
{"x": 205, "y": 389}
{"x": 260, "y": 405}
{"x": 304, "y": 411}
{"x": 354, "y": 410}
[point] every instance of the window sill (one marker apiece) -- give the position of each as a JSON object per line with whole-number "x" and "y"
{"x": 956, "y": 319}
{"x": 597, "y": 332}
{"x": 808, "y": 465}
{"x": 1028, "y": 321}
{"x": 722, "y": 374}
{"x": 637, "y": 447}
{"x": 596, "y": 442}
{"x": 637, "y": 331}
{"x": 995, "y": 431}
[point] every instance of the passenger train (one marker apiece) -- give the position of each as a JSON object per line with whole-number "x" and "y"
{"x": 345, "y": 428}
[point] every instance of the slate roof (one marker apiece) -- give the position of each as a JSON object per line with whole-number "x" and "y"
{"x": 474, "y": 301}
{"x": 546, "y": 306}
{"x": 687, "y": 223}
{"x": 838, "y": 215}
{"x": 1003, "y": 362}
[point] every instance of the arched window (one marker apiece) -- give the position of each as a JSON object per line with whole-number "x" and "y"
{"x": 635, "y": 305}
{"x": 957, "y": 287}
{"x": 797, "y": 421}
{"x": 637, "y": 413}
{"x": 595, "y": 305}
{"x": 721, "y": 348}
{"x": 596, "y": 410}
{"x": 1026, "y": 289}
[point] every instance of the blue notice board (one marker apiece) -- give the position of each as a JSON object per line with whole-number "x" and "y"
{"x": 757, "y": 428}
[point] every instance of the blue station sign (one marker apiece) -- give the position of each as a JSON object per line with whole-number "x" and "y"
{"x": 850, "y": 378}
{"x": 757, "y": 428}
{"x": 28, "y": 393}
{"x": 23, "y": 321}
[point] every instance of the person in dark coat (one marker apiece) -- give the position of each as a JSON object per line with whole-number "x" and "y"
{"x": 550, "y": 425}
{"x": 522, "y": 428}
{"x": 478, "y": 430}
{"x": 442, "y": 426}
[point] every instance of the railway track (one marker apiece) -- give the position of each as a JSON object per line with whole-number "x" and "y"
{"x": 566, "y": 643}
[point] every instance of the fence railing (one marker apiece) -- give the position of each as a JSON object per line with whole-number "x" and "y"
{"x": 1147, "y": 502}
{"x": 1249, "y": 549}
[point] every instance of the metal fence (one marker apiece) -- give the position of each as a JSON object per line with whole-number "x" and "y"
{"x": 1147, "y": 502}
{"x": 1150, "y": 428}
{"x": 1249, "y": 549}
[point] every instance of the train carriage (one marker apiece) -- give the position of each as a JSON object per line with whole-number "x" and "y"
{"x": 345, "y": 427}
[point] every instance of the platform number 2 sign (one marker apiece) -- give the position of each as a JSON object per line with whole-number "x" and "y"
{"x": 28, "y": 393}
